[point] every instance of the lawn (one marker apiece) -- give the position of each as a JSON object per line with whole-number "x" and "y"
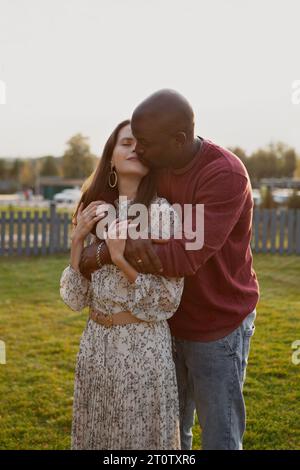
{"x": 42, "y": 336}
{"x": 24, "y": 209}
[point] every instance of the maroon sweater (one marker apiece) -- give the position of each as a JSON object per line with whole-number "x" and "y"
{"x": 221, "y": 287}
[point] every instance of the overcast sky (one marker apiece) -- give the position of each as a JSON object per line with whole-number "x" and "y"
{"x": 82, "y": 65}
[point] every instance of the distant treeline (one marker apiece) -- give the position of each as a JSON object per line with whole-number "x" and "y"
{"x": 77, "y": 162}
{"x": 276, "y": 160}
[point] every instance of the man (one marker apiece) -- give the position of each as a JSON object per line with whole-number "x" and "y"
{"x": 215, "y": 320}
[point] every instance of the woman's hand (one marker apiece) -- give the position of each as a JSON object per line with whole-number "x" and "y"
{"x": 86, "y": 219}
{"x": 116, "y": 237}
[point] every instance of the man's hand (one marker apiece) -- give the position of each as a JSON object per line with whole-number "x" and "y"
{"x": 142, "y": 249}
{"x": 88, "y": 262}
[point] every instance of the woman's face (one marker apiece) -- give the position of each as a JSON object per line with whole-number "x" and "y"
{"x": 124, "y": 158}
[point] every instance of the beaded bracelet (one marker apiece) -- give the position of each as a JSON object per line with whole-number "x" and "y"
{"x": 98, "y": 257}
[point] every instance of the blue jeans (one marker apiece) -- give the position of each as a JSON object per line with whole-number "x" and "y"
{"x": 210, "y": 378}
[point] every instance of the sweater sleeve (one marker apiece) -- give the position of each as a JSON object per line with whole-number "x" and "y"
{"x": 75, "y": 289}
{"x": 223, "y": 198}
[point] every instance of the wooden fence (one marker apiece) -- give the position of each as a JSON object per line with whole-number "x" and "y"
{"x": 34, "y": 233}
{"x": 48, "y": 232}
{"x": 276, "y": 231}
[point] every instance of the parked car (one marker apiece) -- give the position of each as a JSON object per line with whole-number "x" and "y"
{"x": 281, "y": 196}
{"x": 68, "y": 196}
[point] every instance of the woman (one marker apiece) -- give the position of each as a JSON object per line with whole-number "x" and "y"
{"x": 125, "y": 384}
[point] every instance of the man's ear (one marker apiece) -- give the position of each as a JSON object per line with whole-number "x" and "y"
{"x": 180, "y": 138}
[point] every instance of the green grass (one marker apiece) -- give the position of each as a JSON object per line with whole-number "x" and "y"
{"x": 42, "y": 337}
{"x": 15, "y": 209}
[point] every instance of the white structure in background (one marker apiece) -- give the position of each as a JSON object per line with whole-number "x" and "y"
{"x": 256, "y": 196}
{"x": 281, "y": 196}
{"x": 68, "y": 196}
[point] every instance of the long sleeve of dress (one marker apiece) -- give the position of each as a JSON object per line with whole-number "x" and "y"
{"x": 75, "y": 289}
{"x": 154, "y": 297}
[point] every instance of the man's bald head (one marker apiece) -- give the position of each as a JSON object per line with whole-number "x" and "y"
{"x": 163, "y": 125}
{"x": 169, "y": 109}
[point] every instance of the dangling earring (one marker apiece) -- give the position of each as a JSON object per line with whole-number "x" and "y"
{"x": 112, "y": 176}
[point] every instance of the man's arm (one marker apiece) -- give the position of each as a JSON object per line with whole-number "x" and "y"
{"x": 88, "y": 262}
{"x": 223, "y": 197}
{"x": 223, "y": 200}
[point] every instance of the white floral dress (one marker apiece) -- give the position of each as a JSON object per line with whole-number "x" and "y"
{"x": 125, "y": 394}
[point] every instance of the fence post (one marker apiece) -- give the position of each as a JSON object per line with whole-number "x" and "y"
{"x": 52, "y": 231}
{"x": 291, "y": 230}
{"x": 273, "y": 230}
{"x": 281, "y": 232}
{"x": 2, "y": 236}
{"x": 66, "y": 231}
{"x": 44, "y": 233}
{"x": 266, "y": 213}
{"x": 256, "y": 221}
{"x": 298, "y": 232}
{"x": 11, "y": 233}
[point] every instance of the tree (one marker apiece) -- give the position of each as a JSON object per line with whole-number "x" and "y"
{"x": 294, "y": 200}
{"x": 290, "y": 163}
{"x": 267, "y": 199}
{"x": 16, "y": 169}
{"x": 27, "y": 174}
{"x": 239, "y": 152}
{"x": 297, "y": 169}
{"x": 261, "y": 164}
{"x": 78, "y": 162}
{"x": 2, "y": 169}
{"x": 286, "y": 159}
{"x": 274, "y": 161}
{"x": 49, "y": 166}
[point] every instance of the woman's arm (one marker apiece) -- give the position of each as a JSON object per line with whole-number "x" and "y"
{"x": 77, "y": 246}
{"x": 115, "y": 240}
{"x": 75, "y": 290}
{"x": 127, "y": 269}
